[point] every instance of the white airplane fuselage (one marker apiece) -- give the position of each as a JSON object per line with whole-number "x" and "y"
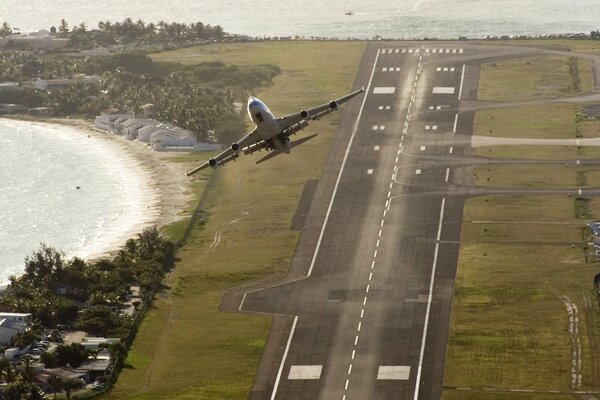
{"x": 267, "y": 127}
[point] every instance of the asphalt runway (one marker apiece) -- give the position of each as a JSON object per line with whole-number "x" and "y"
{"x": 364, "y": 311}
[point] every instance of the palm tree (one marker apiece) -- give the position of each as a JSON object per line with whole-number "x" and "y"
{"x": 6, "y": 369}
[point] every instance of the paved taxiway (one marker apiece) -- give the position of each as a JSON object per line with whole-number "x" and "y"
{"x": 364, "y": 311}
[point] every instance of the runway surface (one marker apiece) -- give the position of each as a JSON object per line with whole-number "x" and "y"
{"x": 364, "y": 311}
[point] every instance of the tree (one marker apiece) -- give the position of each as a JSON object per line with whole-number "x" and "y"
{"x": 74, "y": 354}
{"x": 5, "y": 30}
{"x": 6, "y": 369}
{"x": 64, "y": 27}
{"x": 55, "y": 384}
{"x": 70, "y": 384}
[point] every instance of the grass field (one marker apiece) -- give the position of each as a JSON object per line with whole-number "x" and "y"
{"x": 534, "y": 77}
{"x": 547, "y": 121}
{"x": 509, "y": 326}
{"x": 539, "y": 152}
{"x": 537, "y": 176}
{"x": 520, "y": 254}
{"x": 540, "y": 121}
{"x": 185, "y": 348}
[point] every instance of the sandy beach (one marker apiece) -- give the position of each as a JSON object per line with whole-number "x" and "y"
{"x": 157, "y": 191}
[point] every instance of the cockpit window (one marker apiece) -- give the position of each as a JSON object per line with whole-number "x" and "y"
{"x": 259, "y": 117}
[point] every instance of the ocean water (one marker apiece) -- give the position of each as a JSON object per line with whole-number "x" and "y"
{"x": 395, "y": 19}
{"x": 41, "y": 168}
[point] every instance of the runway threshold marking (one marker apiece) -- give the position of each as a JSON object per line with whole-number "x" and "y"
{"x": 429, "y": 299}
{"x": 333, "y": 194}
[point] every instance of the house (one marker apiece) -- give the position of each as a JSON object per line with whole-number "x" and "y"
{"x": 8, "y": 86}
{"x": 131, "y": 126}
{"x": 172, "y": 137}
{"x": 11, "y": 324}
{"x": 143, "y": 134}
{"x": 42, "y": 111}
{"x": 58, "y": 84}
{"x": 107, "y": 117}
{"x": 11, "y": 108}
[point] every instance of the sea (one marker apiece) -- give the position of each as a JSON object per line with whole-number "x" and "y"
{"x": 402, "y": 19}
{"x": 61, "y": 188}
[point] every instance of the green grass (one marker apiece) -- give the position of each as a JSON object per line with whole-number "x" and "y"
{"x": 508, "y": 326}
{"x": 538, "y": 176}
{"x": 579, "y": 46}
{"x": 185, "y": 348}
{"x": 542, "y": 121}
{"x": 533, "y": 152}
{"x": 534, "y": 77}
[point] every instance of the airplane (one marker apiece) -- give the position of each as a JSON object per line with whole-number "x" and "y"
{"x": 271, "y": 133}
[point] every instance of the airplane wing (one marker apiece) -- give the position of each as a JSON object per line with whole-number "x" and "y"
{"x": 229, "y": 154}
{"x": 289, "y": 124}
{"x": 292, "y": 120}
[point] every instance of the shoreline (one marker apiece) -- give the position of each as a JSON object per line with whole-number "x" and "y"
{"x": 151, "y": 181}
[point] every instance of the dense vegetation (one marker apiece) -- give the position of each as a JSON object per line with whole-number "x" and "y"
{"x": 197, "y": 97}
{"x": 89, "y": 295}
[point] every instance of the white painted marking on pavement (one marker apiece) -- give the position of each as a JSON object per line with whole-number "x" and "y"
{"x": 384, "y": 90}
{"x": 376, "y": 148}
{"x": 393, "y": 372}
{"x": 443, "y": 90}
{"x": 370, "y": 171}
{"x": 305, "y": 372}
{"x": 451, "y": 150}
{"x": 462, "y": 79}
{"x": 455, "y": 123}
{"x": 417, "y": 172}
{"x": 447, "y": 174}
{"x": 429, "y": 299}
{"x": 285, "y": 353}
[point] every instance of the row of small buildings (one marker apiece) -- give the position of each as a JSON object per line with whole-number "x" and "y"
{"x": 160, "y": 135}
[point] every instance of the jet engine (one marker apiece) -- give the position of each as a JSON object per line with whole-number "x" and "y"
{"x": 303, "y": 114}
{"x": 333, "y": 105}
{"x": 213, "y": 163}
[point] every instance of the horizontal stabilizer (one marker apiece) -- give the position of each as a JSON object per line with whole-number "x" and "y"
{"x": 292, "y": 145}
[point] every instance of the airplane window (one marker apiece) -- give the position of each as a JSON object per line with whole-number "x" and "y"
{"x": 259, "y": 117}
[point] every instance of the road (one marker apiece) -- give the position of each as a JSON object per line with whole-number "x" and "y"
{"x": 364, "y": 311}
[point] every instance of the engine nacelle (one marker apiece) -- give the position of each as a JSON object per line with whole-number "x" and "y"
{"x": 235, "y": 147}
{"x": 212, "y": 163}
{"x": 303, "y": 114}
{"x": 333, "y": 105}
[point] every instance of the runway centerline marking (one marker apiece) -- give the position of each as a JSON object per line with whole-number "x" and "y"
{"x": 386, "y": 208}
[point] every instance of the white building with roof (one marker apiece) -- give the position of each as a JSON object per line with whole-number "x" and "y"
{"x": 107, "y": 118}
{"x": 11, "y": 324}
